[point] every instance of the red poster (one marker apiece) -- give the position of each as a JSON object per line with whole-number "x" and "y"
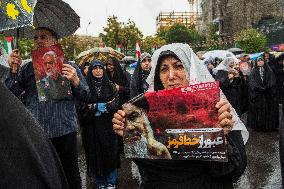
{"x": 180, "y": 123}
{"x": 51, "y": 84}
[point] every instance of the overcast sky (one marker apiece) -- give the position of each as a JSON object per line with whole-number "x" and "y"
{"x": 142, "y": 12}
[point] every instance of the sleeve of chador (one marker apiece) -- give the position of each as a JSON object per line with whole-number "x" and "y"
{"x": 126, "y": 89}
{"x": 222, "y": 77}
{"x": 237, "y": 159}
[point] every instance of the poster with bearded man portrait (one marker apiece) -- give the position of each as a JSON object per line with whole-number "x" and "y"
{"x": 51, "y": 84}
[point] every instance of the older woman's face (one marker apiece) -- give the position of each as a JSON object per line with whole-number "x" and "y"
{"x": 98, "y": 72}
{"x": 172, "y": 73}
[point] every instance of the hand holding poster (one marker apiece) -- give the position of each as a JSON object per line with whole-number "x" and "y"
{"x": 51, "y": 84}
{"x": 179, "y": 123}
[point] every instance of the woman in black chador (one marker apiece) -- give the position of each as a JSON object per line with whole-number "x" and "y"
{"x": 232, "y": 84}
{"x": 279, "y": 75}
{"x": 120, "y": 78}
{"x": 138, "y": 82}
{"x": 100, "y": 141}
{"x": 263, "y": 107}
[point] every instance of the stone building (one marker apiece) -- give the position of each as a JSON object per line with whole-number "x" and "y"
{"x": 235, "y": 15}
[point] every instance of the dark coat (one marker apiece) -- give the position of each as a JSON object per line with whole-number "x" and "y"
{"x": 279, "y": 75}
{"x": 180, "y": 174}
{"x": 235, "y": 91}
{"x": 138, "y": 82}
{"x": 263, "y": 114}
{"x": 27, "y": 158}
{"x": 121, "y": 78}
{"x": 3, "y": 72}
{"x": 99, "y": 140}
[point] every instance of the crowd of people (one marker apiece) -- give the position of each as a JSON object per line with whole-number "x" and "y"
{"x": 99, "y": 89}
{"x": 252, "y": 86}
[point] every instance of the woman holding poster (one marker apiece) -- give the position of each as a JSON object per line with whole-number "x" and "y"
{"x": 176, "y": 65}
{"x": 99, "y": 140}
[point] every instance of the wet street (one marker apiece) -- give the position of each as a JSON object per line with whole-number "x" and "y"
{"x": 263, "y": 170}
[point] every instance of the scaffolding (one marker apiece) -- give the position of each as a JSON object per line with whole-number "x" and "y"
{"x": 188, "y": 18}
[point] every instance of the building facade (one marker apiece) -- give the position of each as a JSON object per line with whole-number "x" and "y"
{"x": 235, "y": 15}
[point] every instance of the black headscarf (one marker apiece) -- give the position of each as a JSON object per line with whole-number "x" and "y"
{"x": 157, "y": 81}
{"x": 119, "y": 76}
{"x": 272, "y": 63}
{"x": 255, "y": 81}
{"x": 82, "y": 67}
{"x": 257, "y": 85}
{"x": 102, "y": 87}
{"x": 138, "y": 82}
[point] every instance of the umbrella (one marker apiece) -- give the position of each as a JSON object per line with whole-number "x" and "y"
{"x": 236, "y": 50}
{"x": 128, "y": 59}
{"x": 219, "y": 54}
{"x": 99, "y": 53}
{"x": 255, "y": 55}
{"x": 241, "y": 55}
{"x": 276, "y": 54}
{"x": 16, "y": 14}
{"x": 25, "y": 15}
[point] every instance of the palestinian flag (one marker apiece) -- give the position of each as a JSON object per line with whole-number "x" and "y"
{"x": 7, "y": 41}
{"x": 138, "y": 52}
{"x": 3, "y": 55}
{"x": 119, "y": 47}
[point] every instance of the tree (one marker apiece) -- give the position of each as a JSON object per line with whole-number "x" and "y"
{"x": 213, "y": 41}
{"x": 251, "y": 40}
{"x": 69, "y": 46}
{"x": 26, "y": 46}
{"x": 151, "y": 43}
{"x": 130, "y": 35}
{"x": 120, "y": 33}
{"x": 74, "y": 44}
{"x": 212, "y": 30}
{"x": 112, "y": 32}
{"x": 180, "y": 33}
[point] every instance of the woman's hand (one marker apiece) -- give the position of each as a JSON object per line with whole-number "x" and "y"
{"x": 225, "y": 117}
{"x": 119, "y": 122}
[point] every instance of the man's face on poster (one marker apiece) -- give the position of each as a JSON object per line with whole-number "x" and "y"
{"x": 50, "y": 62}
